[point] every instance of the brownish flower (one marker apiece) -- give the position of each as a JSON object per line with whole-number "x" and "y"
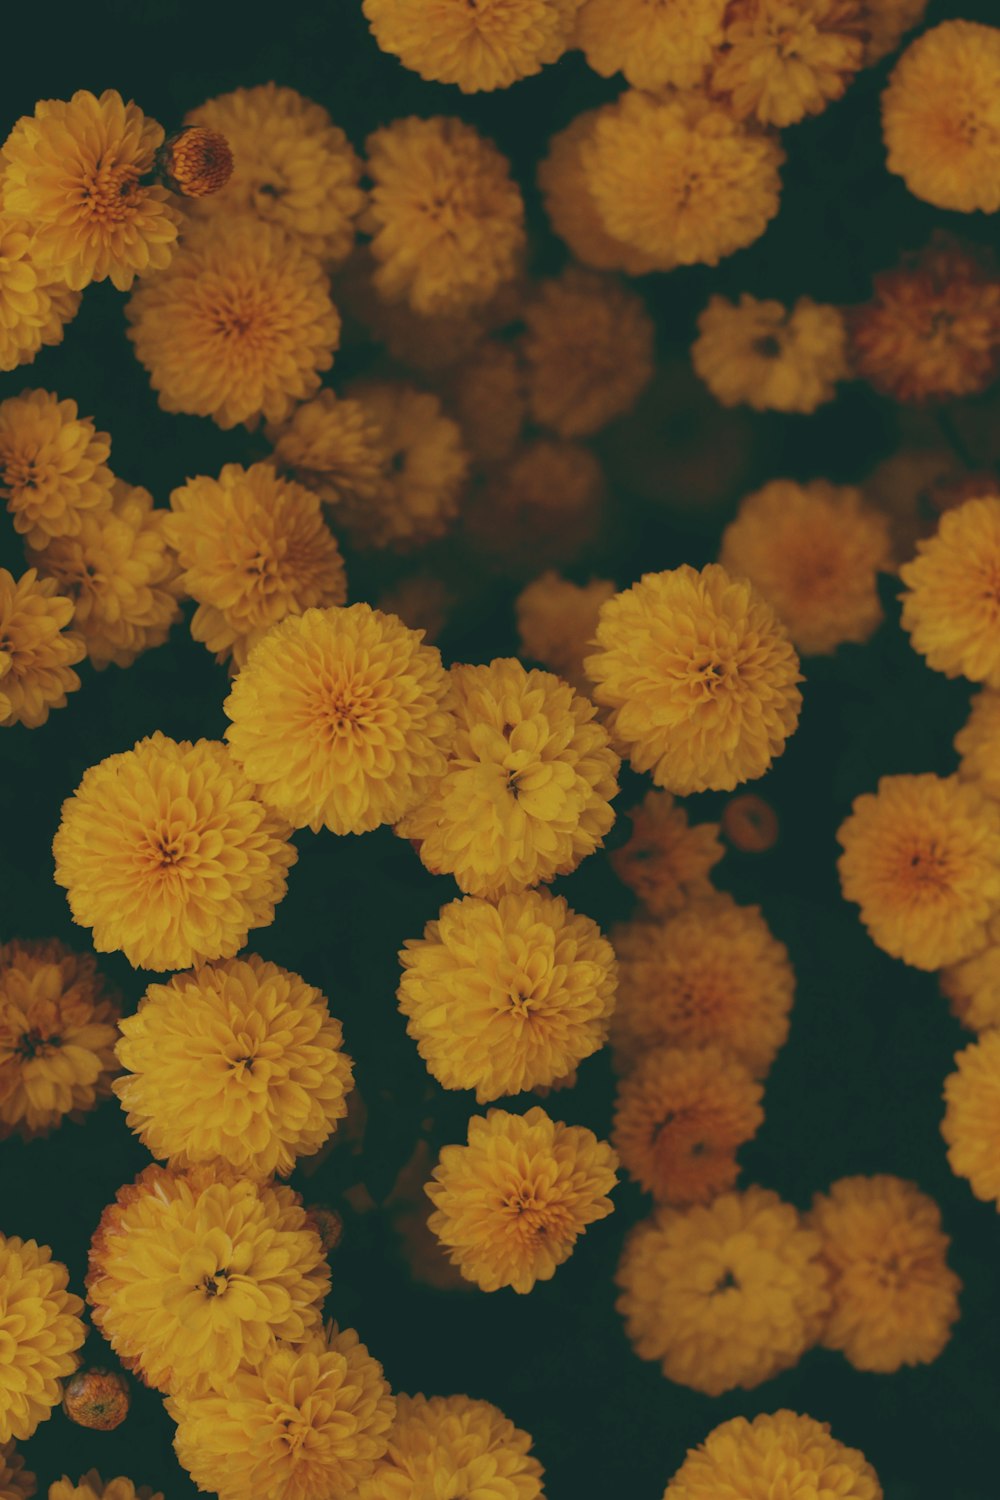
{"x": 195, "y": 162}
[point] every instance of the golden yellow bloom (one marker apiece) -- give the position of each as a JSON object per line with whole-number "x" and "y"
{"x": 165, "y": 851}
{"x": 894, "y": 1297}
{"x": 922, "y": 860}
{"x": 30, "y": 313}
{"x": 91, "y": 1486}
{"x": 526, "y": 790}
{"x": 952, "y": 600}
{"x": 53, "y": 466}
{"x": 510, "y": 1205}
{"x": 680, "y": 179}
{"x": 454, "y": 1445}
{"x": 97, "y": 1399}
{"x": 240, "y": 325}
{"x": 887, "y": 22}
{"x": 542, "y": 507}
{"x": 37, "y": 653}
{"x": 446, "y": 217}
{"x": 750, "y": 824}
{"x": 770, "y": 1454}
{"x": 726, "y": 1295}
{"x": 16, "y": 1482}
{"x": 971, "y": 1123}
{"x": 972, "y": 988}
{"x": 768, "y": 356}
{"x": 941, "y": 117}
{"x": 680, "y": 1118}
{"x": 700, "y": 677}
{"x": 814, "y": 552}
{"x": 654, "y": 45}
{"x": 503, "y": 998}
{"x": 570, "y": 204}
{"x": 489, "y": 45}
{"x": 121, "y": 574}
{"x": 307, "y": 1423}
{"x": 191, "y": 1275}
{"x": 73, "y": 170}
{"x": 40, "y": 1331}
{"x": 291, "y": 167}
{"x": 341, "y": 718}
{"x": 487, "y": 394}
{"x": 557, "y": 621}
{"x": 785, "y": 59}
{"x": 978, "y": 743}
{"x": 667, "y": 861}
{"x": 711, "y": 975}
{"x": 335, "y": 447}
{"x": 195, "y": 162}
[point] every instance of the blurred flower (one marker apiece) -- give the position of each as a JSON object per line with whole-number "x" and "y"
{"x": 750, "y": 824}
{"x": 900, "y": 487}
{"x": 421, "y": 600}
{"x": 451, "y": 1444}
{"x": 655, "y": 46}
{"x": 556, "y": 622}
{"x": 16, "y": 1482}
{"x": 950, "y": 604}
{"x": 196, "y": 162}
{"x": 971, "y": 1123}
{"x": 785, "y": 59}
{"x": 570, "y": 204}
{"x": 37, "y": 653}
{"x": 32, "y": 310}
{"x": 489, "y": 45}
{"x": 978, "y": 743}
{"x": 972, "y": 987}
{"x": 793, "y": 1452}
{"x": 91, "y": 1486}
{"x": 41, "y": 1330}
{"x": 487, "y": 394}
{"x": 97, "y": 1399}
{"x": 543, "y": 506}
{"x": 768, "y": 356}
{"x": 666, "y": 861}
{"x": 335, "y": 447}
{"x": 887, "y": 22}
{"x": 53, "y": 466}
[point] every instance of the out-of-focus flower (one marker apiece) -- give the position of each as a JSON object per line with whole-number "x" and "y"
{"x": 556, "y": 622}
{"x": 335, "y": 447}
{"x": 487, "y": 393}
{"x": 972, "y": 988}
{"x": 768, "y": 356}
{"x": 950, "y": 603}
{"x": 901, "y": 487}
{"x": 750, "y": 824}
{"x": 655, "y": 46}
{"x": 743, "y": 1457}
{"x": 887, "y": 22}
{"x": 37, "y": 652}
{"x": 421, "y": 600}
{"x": 32, "y": 311}
{"x": 16, "y": 1482}
{"x": 666, "y": 860}
{"x": 542, "y": 507}
{"x": 97, "y": 1399}
{"x": 971, "y": 1121}
{"x": 726, "y": 1295}
{"x": 978, "y": 743}
{"x": 489, "y": 45}
{"x": 53, "y": 466}
{"x": 196, "y": 162}
{"x": 451, "y": 1443}
{"x": 41, "y": 1329}
{"x": 570, "y": 204}
{"x": 91, "y": 1486}
{"x": 785, "y": 59}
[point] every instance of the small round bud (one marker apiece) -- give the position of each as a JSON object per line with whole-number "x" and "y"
{"x": 97, "y": 1398}
{"x": 750, "y": 823}
{"x": 195, "y": 162}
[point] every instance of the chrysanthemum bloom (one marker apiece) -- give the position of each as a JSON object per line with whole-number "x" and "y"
{"x": 680, "y": 179}
{"x": 446, "y": 217}
{"x": 540, "y": 508}
{"x": 978, "y": 743}
{"x": 750, "y": 824}
{"x": 814, "y": 552}
{"x": 239, "y": 1062}
{"x": 922, "y": 860}
{"x": 74, "y": 171}
{"x": 57, "y": 1036}
{"x": 894, "y": 1297}
{"x": 29, "y": 317}
{"x": 165, "y": 851}
{"x": 121, "y": 574}
{"x": 240, "y": 325}
{"x": 971, "y": 1123}
{"x": 16, "y": 1482}
{"x": 291, "y": 167}
{"x": 700, "y": 676}
{"x": 972, "y": 988}
{"x": 785, "y": 59}
{"x": 97, "y": 1399}
{"x": 503, "y": 998}
{"x": 305, "y": 1423}
{"x": 654, "y": 45}
{"x": 680, "y": 1117}
{"x": 952, "y": 602}
{"x": 770, "y": 1454}
{"x": 768, "y": 356}
{"x": 341, "y": 718}
{"x": 588, "y": 349}
{"x": 556, "y": 623}
{"x": 487, "y": 394}
{"x": 53, "y": 466}
{"x": 713, "y": 974}
{"x": 570, "y": 204}
{"x": 489, "y": 45}
{"x": 421, "y": 600}
{"x": 334, "y": 446}
{"x": 526, "y": 791}
{"x": 191, "y": 1275}
{"x": 37, "y": 652}
{"x": 195, "y": 162}
{"x": 510, "y": 1205}
{"x": 91, "y": 1486}
{"x": 887, "y": 22}
{"x": 941, "y": 117}
{"x": 451, "y": 1444}
{"x": 666, "y": 860}
{"x": 40, "y": 1331}
{"x": 725, "y": 1295}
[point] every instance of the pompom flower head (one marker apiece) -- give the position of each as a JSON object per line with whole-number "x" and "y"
{"x": 16, "y": 1482}
{"x": 770, "y": 1455}
{"x": 40, "y": 1330}
{"x": 971, "y": 1121}
{"x": 510, "y": 1205}
{"x": 165, "y": 851}
{"x": 37, "y": 652}
{"x": 978, "y": 743}
{"x": 556, "y": 621}
{"x": 972, "y": 987}
{"x": 91, "y": 1486}
{"x": 334, "y": 446}
{"x": 195, "y": 162}
{"x": 53, "y": 466}
{"x": 341, "y": 718}
{"x": 570, "y": 205}
{"x": 768, "y": 356}
{"x": 452, "y": 1443}
{"x": 785, "y": 59}
{"x": 489, "y": 45}
{"x": 667, "y": 861}
{"x": 951, "y": 607}
{"x": 700, "y": 677}
{"x": 655, "y": 46}
{"x": 34, "y": 305}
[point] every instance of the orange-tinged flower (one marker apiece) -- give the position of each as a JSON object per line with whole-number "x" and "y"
{"x": 33, "y": 311}
{"x": 750, "y": 824}
{"x": 771, "y": 357}
{"x": 16, "y": 1482}
{"x": 655, "y": 46}
{"x": 489, "y": 45}
{"x": 40, "y": 1329}
{"x": 488, "y": 396}
{"x": 53, "y": 466}
{"x": 37, "y": 652}
{"x": 972, "y": 987}
{"x": 451, "y": 1444}
{"x": 785, "y": 59}
{"x": 887, "y": 22}
{"x": 91, "y": 1486}
{"x": 543, "y": 506}
{"x": 952, "y": 602}
{"x": 792, "y": 1453}
{"x": 195, "y": 162}
{"x": 570, "y": 205}
{"x": 978, "y": 743}
{"x": 98, "y": 1399}
{"x": 971, "y": 1123}
{"x": 556, "y": 623}
{"x": 667, "y": 861}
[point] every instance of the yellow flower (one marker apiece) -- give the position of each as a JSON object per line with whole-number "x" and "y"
{"x": 680, "y": 1118}
{"x": 503, "y": 998}
{"x": 489, "y": 45}
{"x": 887, "y": 22}
{"x": 57, "y": 1036}
{"x": 768, "y": 356}
{"x": 667, "y": 861}
{"x": 238, "y": 1062}
{"x": 770, "y": 1455}
{"x": 73, "y": 170}
{"x": 941, "y": 117}
{"x": 191, "y": 1275}
{"x": 37, "y": 653}
{"x": 814, "y": 552}
{"x": 335, "y": 447}
{"x": 711, "y": 975}
{"x": 785, "y": 59}
{"x": 570, "y": 204}
{"x": 120, "y": 573}
{"x": 972, "y": 988}
{"x": 542, "y": 507}
{"x": 971, "y": 1123}
{"x": 922, "y": 860}
{"x": 307, "y": 1423}
{"x": 446, "y": 217}
{"x": 679, "y": 179}
{"x": 726, "y": 1295}
{"x": 195, "y": 162}
{"x": 654, "y": 45}
{"x": 91, "y": 1486}
{"x": 487, "y": 394}
{"x": 978, "y": 743}
{"x": 894, "y": 1298}
{"x": 238, "y": 327}
{"x": 40, "y": 1332}
{"x": 291, "y": 167}
{"x": 30, "y": 313}
{"x": 526, "y": 790}
{"x": 700, "y": 677}
{"x": 16, "y": 1482}
{"x": 454, "y": 1445}
{"x": 166, "y": 853}
{"x": 53, "y": 467}
{"x": 510, "y": 1205}
{"x": 341, "y": 718}
{"x": 556, "y": 622}
{"x": 951, "y": 604}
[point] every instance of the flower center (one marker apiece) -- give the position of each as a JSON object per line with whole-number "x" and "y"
{"x": 215, "y": 1285}
{"x": 109, "y": 192}
{"x": 726, "y": 1282}
{"x": 768, "y": 347}
{"x": 33, "y": 1044}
